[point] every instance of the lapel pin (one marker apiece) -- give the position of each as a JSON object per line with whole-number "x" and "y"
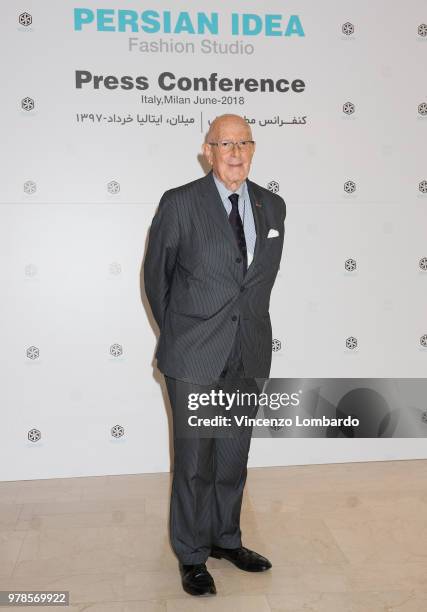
{"x": 258, "y": 204}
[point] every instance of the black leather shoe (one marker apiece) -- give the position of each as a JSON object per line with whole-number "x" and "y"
{"x": 243, "y": 558}
{"x": 196, "y": 580}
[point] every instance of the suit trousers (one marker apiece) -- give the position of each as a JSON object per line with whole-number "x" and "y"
{"x": 209, "y": 473}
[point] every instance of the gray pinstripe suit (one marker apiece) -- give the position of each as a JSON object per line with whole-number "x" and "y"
{"x": 196, "y": 287}
{"x": 214, "y": 325}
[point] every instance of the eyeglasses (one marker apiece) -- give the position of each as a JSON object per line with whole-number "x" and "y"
{"x": 225, "y": 146}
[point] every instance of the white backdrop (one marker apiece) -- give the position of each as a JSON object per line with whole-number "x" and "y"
{"x": 83, "y": 169}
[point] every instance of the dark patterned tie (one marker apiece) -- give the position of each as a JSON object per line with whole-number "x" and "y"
{"x": 237, "y": 226}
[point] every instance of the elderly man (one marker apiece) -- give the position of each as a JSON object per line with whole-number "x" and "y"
{"x": 213, "y": 254}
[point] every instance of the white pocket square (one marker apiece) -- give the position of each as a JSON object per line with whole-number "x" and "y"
{"x": 272, "y": 233}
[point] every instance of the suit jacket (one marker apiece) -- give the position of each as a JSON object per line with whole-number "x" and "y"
{"x": 196, "y": 286}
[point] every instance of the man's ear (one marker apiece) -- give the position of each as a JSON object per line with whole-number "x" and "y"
{"x": 207, "y": 152}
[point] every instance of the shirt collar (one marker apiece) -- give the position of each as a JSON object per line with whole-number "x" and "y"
{"x": 224, "y": 192}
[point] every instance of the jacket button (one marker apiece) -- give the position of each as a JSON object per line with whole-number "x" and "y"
{"x": 234, "y": 318}
{"x": 238, "y": 260}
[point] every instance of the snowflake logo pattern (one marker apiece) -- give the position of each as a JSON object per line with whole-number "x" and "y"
{"x": 30, "y": 270}
{"x": 30, "y": 187}
{"x": 423, "y": 340}
{"x": 348, "y": 108}
{"x": 115, "y": 268}
{"x": 113, "y": 187}
{"x": 33, "y": 352}
{"x": 349, "y": 186}
{"x": 350, "y": 265}
{"x": 423, "y": 186}
{"x": 276, "y": 345}
{"x": 27, "y": 104}
{"x": 348, "y": 28}
{"x": 273, "y": 186}
{"x": 25, "y": 19}
{"x": 117, "y": 431}
{"x": 34, "y": 435}
{"x": 423, "y": 263}
{"x": 424, "y": 417}
{"x": 116, "y": 350}
{"x": 351, "y": 342}
{"x": 422, "y": 30}
{"x": 422, "y": 108}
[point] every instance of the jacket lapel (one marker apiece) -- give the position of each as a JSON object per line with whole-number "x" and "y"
{"x": 259, "y": 219}
{"x": 212, "y": 203}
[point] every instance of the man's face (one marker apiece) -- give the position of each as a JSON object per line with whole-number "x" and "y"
{"x": 231, "y": 167}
